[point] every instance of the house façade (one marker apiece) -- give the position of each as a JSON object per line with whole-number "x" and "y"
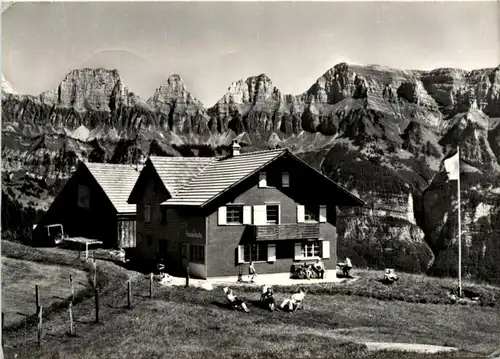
{"x": 215, "y": 215}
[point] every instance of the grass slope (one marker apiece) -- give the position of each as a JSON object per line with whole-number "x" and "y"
{"x": 193, "y": 323}
{"x": 19, "y": 278}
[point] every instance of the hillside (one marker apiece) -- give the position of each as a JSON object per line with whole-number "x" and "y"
{"x": 381, "y": 132}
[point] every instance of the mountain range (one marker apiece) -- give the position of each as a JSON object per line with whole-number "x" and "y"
{"x": 380, "y": 132}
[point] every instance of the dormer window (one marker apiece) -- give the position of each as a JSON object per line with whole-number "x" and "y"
{"x": 274, "y": 179}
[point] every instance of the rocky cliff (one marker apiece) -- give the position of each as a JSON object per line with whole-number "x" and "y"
{"x": 381, "y": 132}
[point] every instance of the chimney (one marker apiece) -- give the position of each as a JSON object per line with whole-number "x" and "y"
{"x": 235, "y": 148}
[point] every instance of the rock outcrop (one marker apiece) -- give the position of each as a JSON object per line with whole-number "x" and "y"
{"x": 378, "y": 131}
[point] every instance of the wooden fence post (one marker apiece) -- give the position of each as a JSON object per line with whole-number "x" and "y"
{"x": 40, "y": 327}
{"x": 3, "y": 325}
{"x": 96, "y": 305}
{"x": 37, "y": 298}
{"x": 72, "y": 288}
{"x": 71, "y": 330}
{"x": 187, "y": 276}
{"x": 95, "y": 275}
{"x": 129, "y": 294}
{"x": 150, "y": 285}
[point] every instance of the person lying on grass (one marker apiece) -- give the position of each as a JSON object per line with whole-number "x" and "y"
{"x": 235, "y": 302}
{"x": 295, "y": 301}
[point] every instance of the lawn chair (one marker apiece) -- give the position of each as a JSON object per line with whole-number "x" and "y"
{"x": 235, "y": 302}
{"x": 296, "y": 301}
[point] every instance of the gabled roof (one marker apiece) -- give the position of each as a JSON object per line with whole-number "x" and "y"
{"x": 198, "y": 181}
{"x": 116, "y": 181}
{"x": 176, "y": 172}
{"x": 220, "y": 174}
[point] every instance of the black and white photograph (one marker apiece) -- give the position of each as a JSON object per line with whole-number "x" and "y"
{"x": 250, "y": 179}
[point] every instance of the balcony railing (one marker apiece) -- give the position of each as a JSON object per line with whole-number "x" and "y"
{"x": 271, "y": 232}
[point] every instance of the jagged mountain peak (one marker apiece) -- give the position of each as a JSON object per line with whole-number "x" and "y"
{"x": 253, "y": 89}
{"x": 86, "y": 89}
{"x": 174, "y": 91}
{"x": 175, "y": 80}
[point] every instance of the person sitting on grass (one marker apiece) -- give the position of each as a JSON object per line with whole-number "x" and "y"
{"x": 251, "y": 272}
{"x": 266, "y": 291}
{"x": 295, "y": 301}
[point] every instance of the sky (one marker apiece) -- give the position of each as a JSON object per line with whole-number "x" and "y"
{"x": 211, "y": 45}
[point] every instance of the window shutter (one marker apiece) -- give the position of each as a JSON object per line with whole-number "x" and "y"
{"x": 240, "y": 254}
{"x": 298, "y": 251}
{"x": 247, "y": 214}
{"x": 271, "y": 252}
{"x": 222, "y": 217}
{"x": 300, "y": 213}
{"x": 262, "y": 179}
{"x": 285, "y": 179}
{"x": 326, "y": 249}
{"x": 322, "y": 213}
{"x": 147, "y": 214}
{"x": 259, "y": 215}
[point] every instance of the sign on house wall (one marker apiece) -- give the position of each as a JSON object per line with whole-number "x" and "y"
{"x": 83, "y": 197}
{"x": 192, "y": 233}
{"x": 194, "y": 228}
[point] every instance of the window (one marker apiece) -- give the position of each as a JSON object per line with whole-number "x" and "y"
{"x": 284, "y": 250}
{"x": 311, "y": 249}
{"x": 197, "y": 253}
{"x": 83, "y": 197}
{"x": 234, "y": 214}
{"x": 150, "y": 240}
{"x": 147, "y": 214}
{"x": 311, "y": 213}
{"x": 273, "y": 213}
{"x": 255, "y": 253}
{"x": 273, "y": 179}
{"x": 163, "y": 215}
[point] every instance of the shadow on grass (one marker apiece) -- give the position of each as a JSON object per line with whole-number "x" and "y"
{"x": 222, "y": 305}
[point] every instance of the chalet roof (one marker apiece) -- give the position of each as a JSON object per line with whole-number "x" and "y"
{"x": 175, "y": 172}
{"x": 117, "y": 182}
{"x": 220, "y": 174}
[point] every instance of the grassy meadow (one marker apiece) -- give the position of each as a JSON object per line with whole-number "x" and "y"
{"x": 194, "y": 323}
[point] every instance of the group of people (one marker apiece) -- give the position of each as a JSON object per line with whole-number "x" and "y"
{"x": 294, "y": 302}
{"x": 306, "y": 271}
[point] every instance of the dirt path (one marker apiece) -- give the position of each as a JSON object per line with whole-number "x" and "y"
{"x": 420, "y": 348}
